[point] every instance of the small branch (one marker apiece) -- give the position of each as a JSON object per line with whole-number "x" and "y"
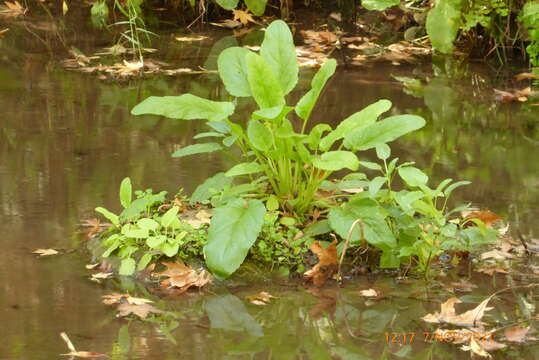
{"x": 348, "y": 237}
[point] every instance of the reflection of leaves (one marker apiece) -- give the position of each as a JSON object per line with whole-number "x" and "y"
{"x": 141, "y": 310}
{"x": 516, "y": 333}
{"x": 227, "y": 312}
{"x": 116, "y": 298}
{"x": 262, "y": 298}
{"x": 45, "y": 252}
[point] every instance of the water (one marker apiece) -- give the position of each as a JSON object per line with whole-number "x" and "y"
{"x": 67, "y": 140}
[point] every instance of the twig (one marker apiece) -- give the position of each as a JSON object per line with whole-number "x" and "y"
{"x": 361, "y": 237}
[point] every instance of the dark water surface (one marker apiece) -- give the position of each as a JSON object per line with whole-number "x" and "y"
{"x": 67, "y": 140}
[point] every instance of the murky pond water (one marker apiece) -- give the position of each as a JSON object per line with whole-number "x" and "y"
{"x": 67, "y": 140}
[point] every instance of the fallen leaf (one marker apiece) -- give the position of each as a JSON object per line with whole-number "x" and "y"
{"x": 491, "y": 270}
{"x": 229, "y": 24}
{"x": 182, "y": 277}
{"x": 262, "y": 298}
{"x": 327, "y": 264}
{"x": 74, "y": 352}
{"x": 3, "y": 31}
{"x": 92, "y": 227}
{"x": 486, "y": 216}
{"x": 12, "y": 9}
{"x": 475, "y": 348}
{"x": 496, "y": 255}
{"x": 116, "y": 298}
{"x": 470, "y": 318}
{"x": 461, "y": 286}
{"x": 190, "y": 38}
{"x": 526, "y": 76}
{"x": 100, "y": 276}
{"x": 91, "y": 266}
{"x": 141, "y": 310}
{"x": 516, "y": 333}
{"x": 244, "y": 17}
{"x": 369, "y": 292}
{"x": 202, "y": 217}
{"x": 45, "y": 252}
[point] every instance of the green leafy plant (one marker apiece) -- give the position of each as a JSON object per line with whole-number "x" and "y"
{"x": 257, "y": 7}
{"x": 141, "y": 234}
{"x": 294, "y": 164}
{"x": 529, "y": 17}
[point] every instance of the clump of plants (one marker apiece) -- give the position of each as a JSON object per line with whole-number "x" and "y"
{"x": 282, "y": 183}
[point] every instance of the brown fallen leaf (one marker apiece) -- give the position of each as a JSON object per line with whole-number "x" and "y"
{"x": 45, "y": 252}
{"x": 100, "y": 276}
{"x": 491, "y": 270}
{"x": 327, "y": 264}
{"x": 526, "y": 76}
{"x": 486, "y": 216}
{"x": 496, "y": 255}
{"x": 369, "y": 292}
{"x": 470, "y": 318}
{"x": 141, "y": 310}
{"x": 12, "y": 9}
{"x": 92, "y": 227}
{"x": 244, "y": 17}
{"x": 262, "y": 298}
{"x": 476, "y": 349}
{"x": 190, "y": 38}
{"x": 461, "y": 286}
{"x": 516, "y": 333}
{"x": 182, "y": 277}
{"x": 116, "y": 298}
{"x": 3, "y": 31}
{"x": 74, "y": 352}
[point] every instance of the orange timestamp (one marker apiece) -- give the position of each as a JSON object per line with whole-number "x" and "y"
{"x": 447, "y": 336}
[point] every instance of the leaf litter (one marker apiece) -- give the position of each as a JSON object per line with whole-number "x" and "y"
{"x": 182, "y": 277}
{"x": 327, "y": 265}
{"x": 260, "y": 299}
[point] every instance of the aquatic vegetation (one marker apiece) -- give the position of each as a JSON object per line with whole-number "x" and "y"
{"x": 296, "y": 165}
{"x": 141, "y": 233}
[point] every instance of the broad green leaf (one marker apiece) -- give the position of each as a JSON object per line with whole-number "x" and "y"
{"x": 379, "y": 5}
{"x": 376, "y": 230}
{"x": 169, "y": 249}
{"x": 244, "y": 169}
{"x": 230, "y": 140}
{"x": 305, "y": 105}
{"x": 208, "y": 134}
{"x": 227, "y": 4}
{"x": 356, "y": 121}
{"x": 197, "y": 149}
{"x": 233, "y": 71}
{"x": 279, "y": 51}
{"x": 259, "y": 135}
{"x": 265, "y": 88}
{"x": 148, "y": 224}
{"x": 155, "y": 241}
{"x": 443, "y": 23}
{"x": 336, "y": 160}
{"x": 126, "y": 192}
{"x": 144, "y": 261}
{"x": 450, "y": 188}
{"x": 413, "y": 176}
{"x": 233, "y": 230}
{"x": 127, "y": 267}
{"x": 186, "y": 107}
{"x": 113, "y": 218}
{"x": 313, "y": 140}
{"x": 375, "y": 185}
{"x": 407, "y": 198}
{"x": 168, "y": 218}
{"x": 219, "y": 126}
{"x": 389, "y": 259}
{"x": 210, "y": 187}
{"x": 272, "y": 114}
{"x": 383, "y": 152}
{"x": 135, "y": 233}
{"x": 257, "y": 7}
{"x": 382, "y": 132}
{"x": 370, "y": 165}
